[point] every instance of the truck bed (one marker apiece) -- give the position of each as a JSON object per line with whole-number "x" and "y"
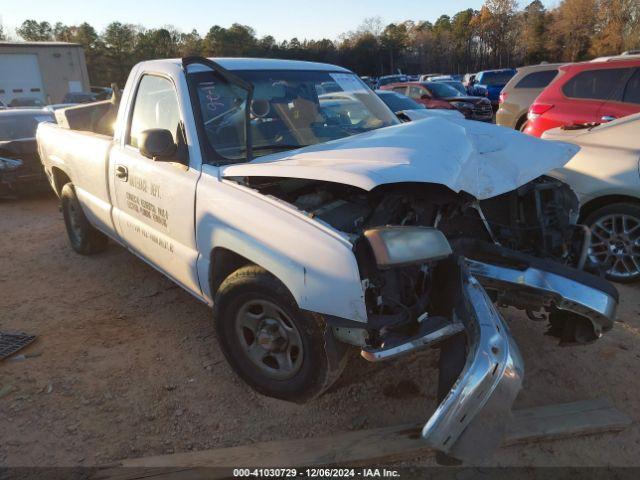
{"x": 96, "y": 117}
{"x": 77, "y": 150}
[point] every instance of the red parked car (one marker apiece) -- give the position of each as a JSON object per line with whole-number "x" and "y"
{"x": 588, "y": 92}
{"x": 416, "y": 91}
{"x": 444, "y": 96}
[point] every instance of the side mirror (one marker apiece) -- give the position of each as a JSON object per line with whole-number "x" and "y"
{"x": 425, "y": 96}
{"x": 157, "y": 144}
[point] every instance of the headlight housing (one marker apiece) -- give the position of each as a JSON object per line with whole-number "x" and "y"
{"x": 402, "y": 246}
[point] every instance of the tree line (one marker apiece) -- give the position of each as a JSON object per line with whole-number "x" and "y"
{"x": 500, "y": 34}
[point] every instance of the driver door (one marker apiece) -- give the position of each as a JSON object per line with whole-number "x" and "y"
{"x": 154, "y": 200}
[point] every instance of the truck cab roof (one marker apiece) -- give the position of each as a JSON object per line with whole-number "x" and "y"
{"x": 231, "y": 63}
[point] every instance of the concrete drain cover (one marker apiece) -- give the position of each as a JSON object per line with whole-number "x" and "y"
{"x": 10, "y": 343}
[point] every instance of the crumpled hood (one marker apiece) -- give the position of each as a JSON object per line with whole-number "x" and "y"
{"x": 481, "y": 159}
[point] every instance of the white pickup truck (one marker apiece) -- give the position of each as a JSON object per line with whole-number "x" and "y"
{"x": 288, "y": 197}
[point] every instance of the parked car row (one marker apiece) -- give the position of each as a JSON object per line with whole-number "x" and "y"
{"x": 587, "y": 93}
{"x": 442, "y": 95}
{"x": 407, "y": 109}
{"x": 595, "y": 105}
{"x": 545, "y": 96}
{"x": 471, "y": 88}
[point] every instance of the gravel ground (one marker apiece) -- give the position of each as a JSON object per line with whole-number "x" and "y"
{"x": 126, "y": 365}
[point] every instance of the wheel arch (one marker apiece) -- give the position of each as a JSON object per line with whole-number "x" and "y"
{"x": 223, "y": 262}
{"x": 521, "y": 121}
{"x": 59, "y": 178}
{"x": 599, "y": 202}
{"x": 327, "y": 283}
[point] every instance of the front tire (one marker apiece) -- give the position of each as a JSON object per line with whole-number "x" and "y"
{"x": 84, "y": 238}
{"x": 615, "y": 241}
{"x": 279, "y": 350}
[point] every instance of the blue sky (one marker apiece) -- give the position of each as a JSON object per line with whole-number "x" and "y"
{"x": 283, "y": 19}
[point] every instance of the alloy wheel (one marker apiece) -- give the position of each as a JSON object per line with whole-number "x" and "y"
{"x": 615, "y": 243}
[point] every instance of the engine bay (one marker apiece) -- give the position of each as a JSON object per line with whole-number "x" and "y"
{"x": 537, "y": 219}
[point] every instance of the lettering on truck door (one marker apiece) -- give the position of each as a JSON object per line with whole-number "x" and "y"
{"x": 155, "y": 199}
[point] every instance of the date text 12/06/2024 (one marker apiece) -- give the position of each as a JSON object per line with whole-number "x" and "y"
{"x": 316, "y": 473}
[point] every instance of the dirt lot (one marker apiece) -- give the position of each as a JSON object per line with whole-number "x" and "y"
{"x": 128, "y": 366}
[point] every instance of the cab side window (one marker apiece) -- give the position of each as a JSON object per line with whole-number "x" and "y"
{"x": 155, "y": 106}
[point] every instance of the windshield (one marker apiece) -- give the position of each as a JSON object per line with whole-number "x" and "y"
{"x": 442, "y": 90}
{"x": 290, "y": 109}
{"x": 397, "y": 102}
{"x": 496, "y": 78}
{"x": 14, "y": 127}
{"x": 458, "y": 86}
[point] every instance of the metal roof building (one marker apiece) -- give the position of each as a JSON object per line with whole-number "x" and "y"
{"x": 44, "y": 70}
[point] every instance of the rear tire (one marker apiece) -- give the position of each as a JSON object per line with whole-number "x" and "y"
{"x": 83, "y": 237}
{"x": 615, "y": 241}
{"x": 279, "y": 350}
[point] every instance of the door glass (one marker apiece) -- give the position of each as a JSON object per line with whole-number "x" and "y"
{"x": 400, "y": 90}
{"x": 416, "y": 92}
{"x": 537, "y": 79}
{"x": 595, "y": 84}
{"x": 632, "y": 90}
{"x": 156, "y": 106}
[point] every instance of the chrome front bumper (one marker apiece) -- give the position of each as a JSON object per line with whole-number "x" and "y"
{"x": 550, "y": 289}
{"x": 470, "y": 422}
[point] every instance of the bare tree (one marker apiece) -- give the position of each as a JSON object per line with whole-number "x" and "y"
{"x": 572, "y": 29}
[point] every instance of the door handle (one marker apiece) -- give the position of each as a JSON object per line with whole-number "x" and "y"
{"x": 607, "y": 118}
{"x": 122, "y": 172}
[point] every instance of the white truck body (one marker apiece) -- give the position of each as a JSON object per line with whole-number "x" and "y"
{"x": 177, "y": 216}
{"x": 479, "y": 160}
